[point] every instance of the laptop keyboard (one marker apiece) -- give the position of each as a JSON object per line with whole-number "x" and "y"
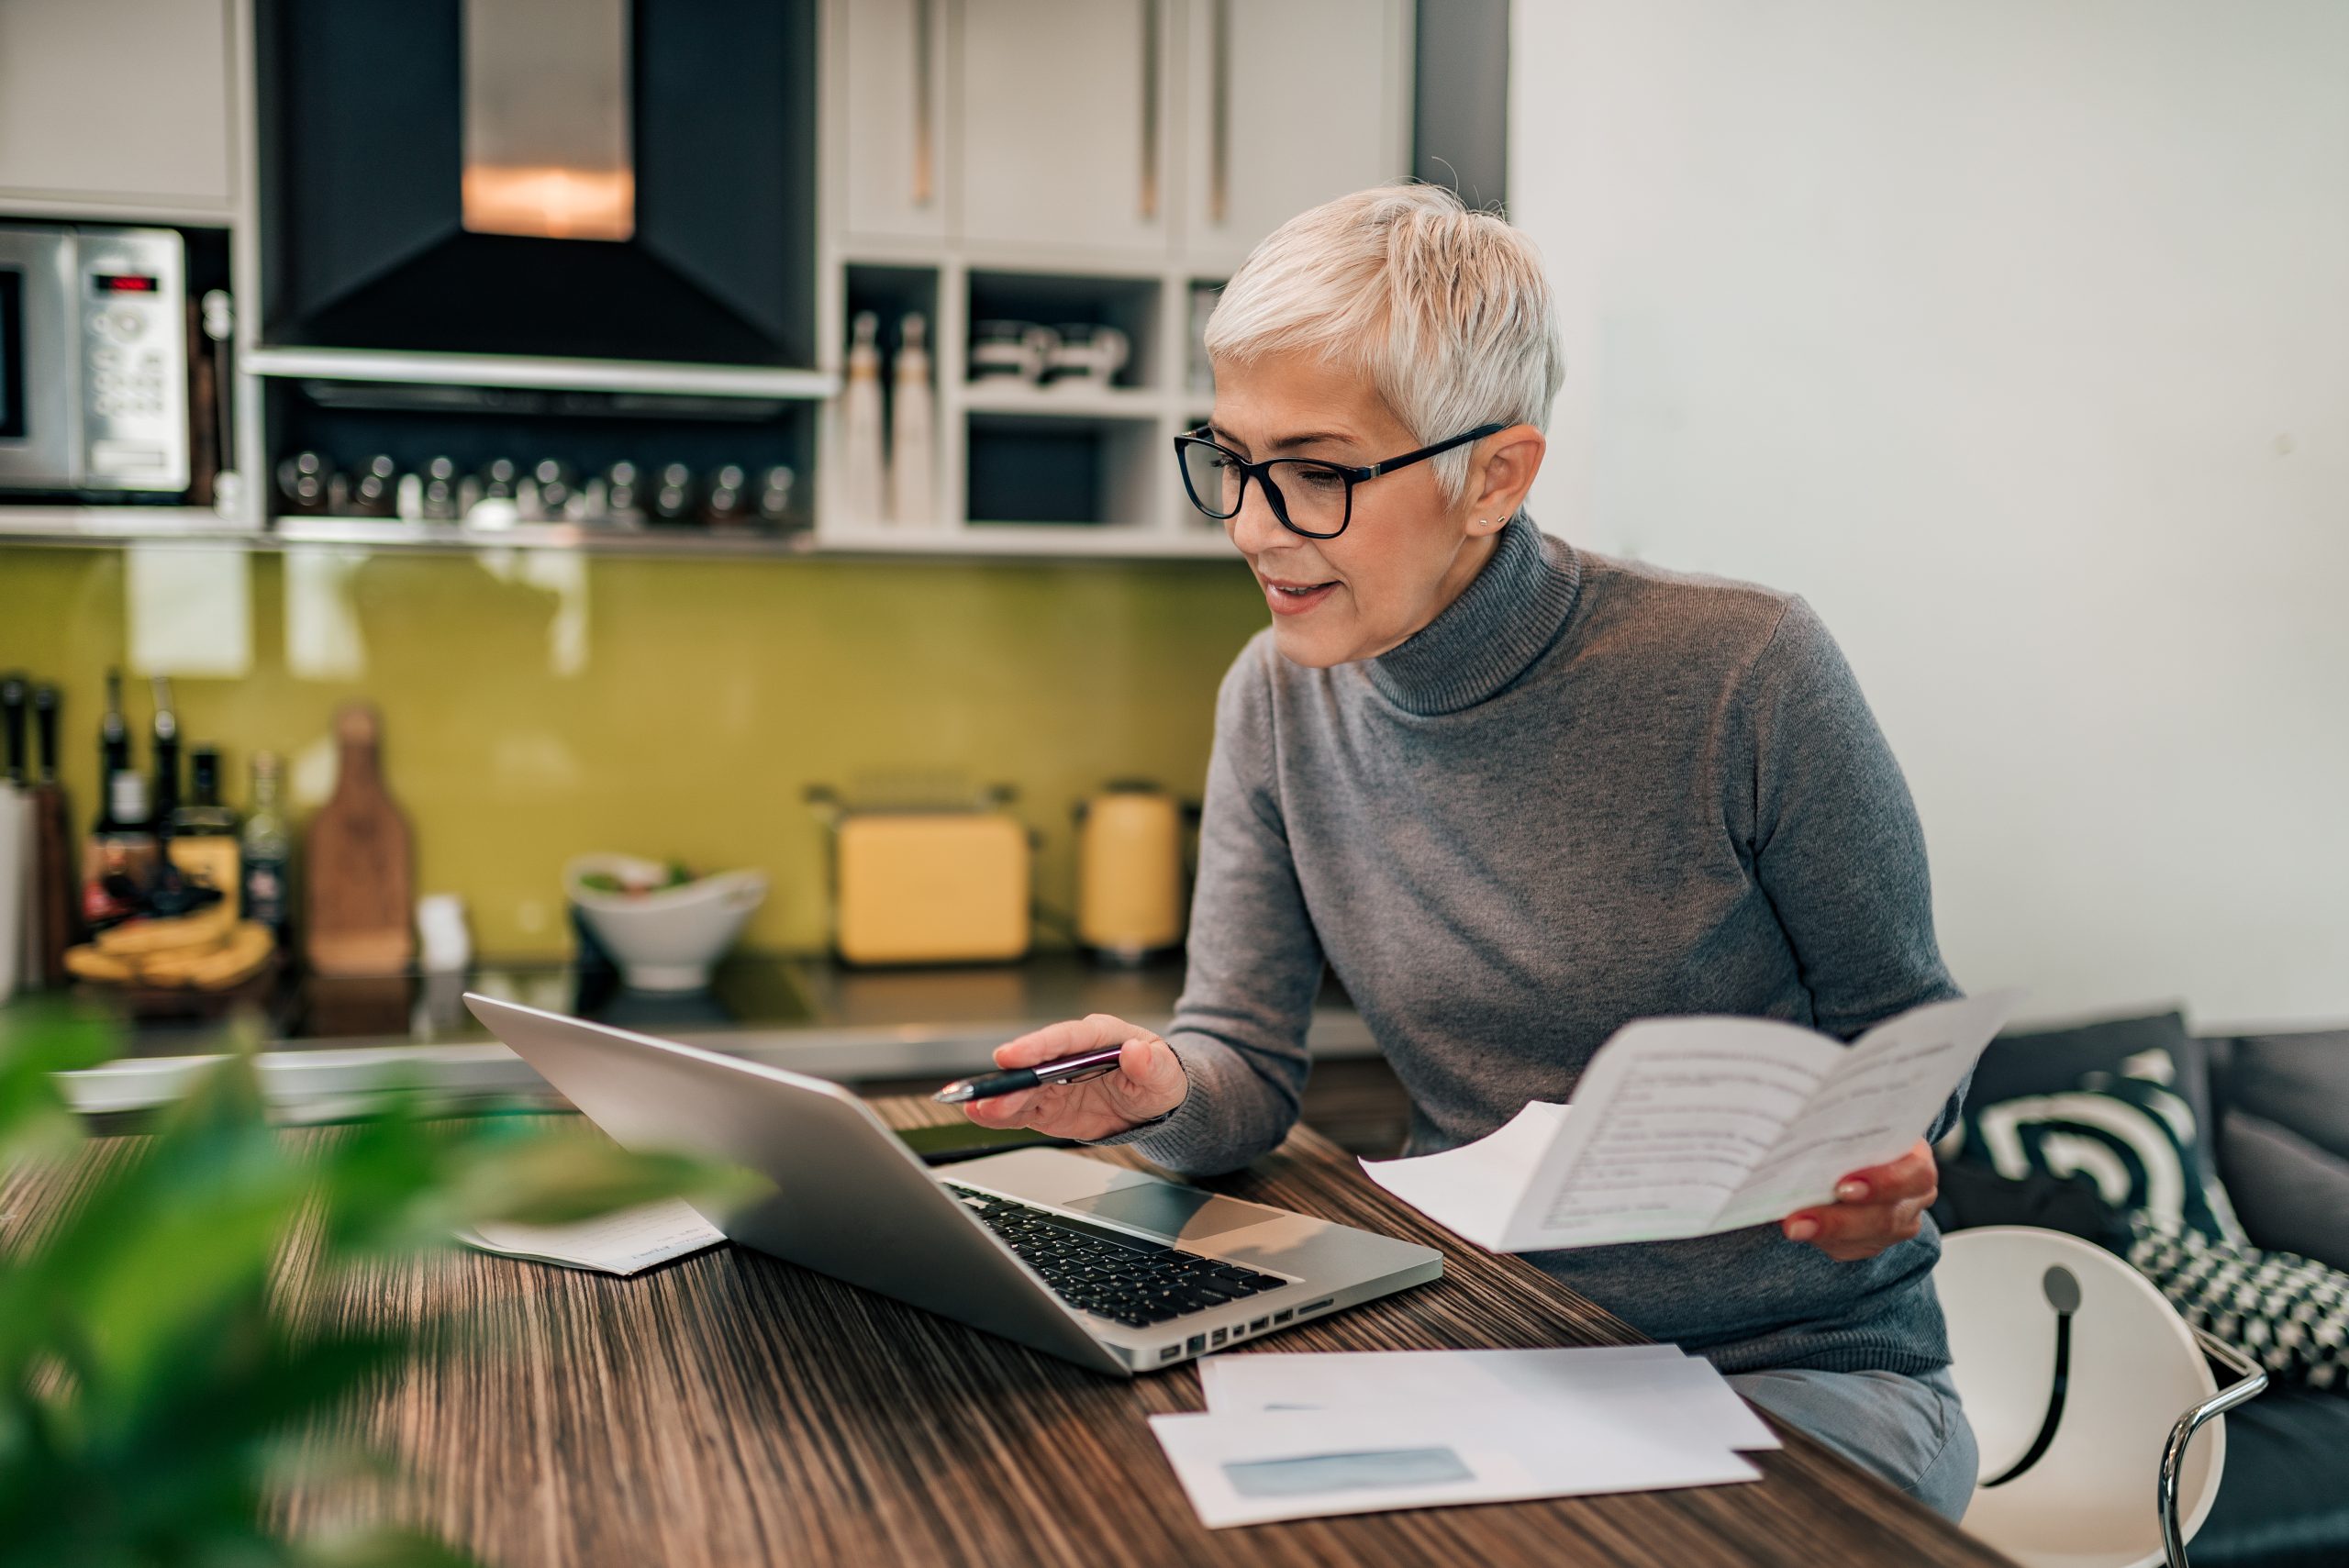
{"x": 1108, "y": 1272}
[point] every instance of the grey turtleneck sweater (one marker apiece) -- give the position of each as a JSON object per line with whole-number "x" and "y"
{"x": 1590, "y": 791}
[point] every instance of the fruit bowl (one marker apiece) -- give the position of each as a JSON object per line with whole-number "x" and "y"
{"x": 665, "y": 934}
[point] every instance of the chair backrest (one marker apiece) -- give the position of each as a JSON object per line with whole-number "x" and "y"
{"x": 2087, "y": 1500}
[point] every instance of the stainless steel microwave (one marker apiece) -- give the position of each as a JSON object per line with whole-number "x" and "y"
{"x": 93, "y": 372}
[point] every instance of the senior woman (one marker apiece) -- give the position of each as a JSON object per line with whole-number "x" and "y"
{"x": 1516, "y": 795}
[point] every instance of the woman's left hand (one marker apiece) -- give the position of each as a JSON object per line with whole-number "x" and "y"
{"x": 1874, "y": 1209}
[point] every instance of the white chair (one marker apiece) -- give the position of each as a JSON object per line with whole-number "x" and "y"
{"x": 2086, "y": 1390}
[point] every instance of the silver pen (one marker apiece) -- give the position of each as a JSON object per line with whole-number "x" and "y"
{"x": 1067, "y": 1070}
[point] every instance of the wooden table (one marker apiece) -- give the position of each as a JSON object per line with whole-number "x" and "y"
{"x": 730, "y": 1410}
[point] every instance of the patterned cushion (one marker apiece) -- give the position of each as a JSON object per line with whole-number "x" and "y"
{"x": 2128, "y": 1131}
{"x": 2051, "y": 1061}
{"x": 2288, "y": 1313}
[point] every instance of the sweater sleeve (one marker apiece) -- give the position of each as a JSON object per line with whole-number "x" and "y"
{"x": 1254, "y": 960}
{"x": 1836, "y": 844}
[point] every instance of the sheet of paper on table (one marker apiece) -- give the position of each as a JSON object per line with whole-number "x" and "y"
{"x": 1653, "y": 1389}
{"x": 624, "y": 1243}
{"x": 1290, "y": 1436}
{"x": 1256, "y": 1467}
{"x": 1688, "y": 1127}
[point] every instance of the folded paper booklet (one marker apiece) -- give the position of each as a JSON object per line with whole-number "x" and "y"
{"x": 1688, "y": 1127}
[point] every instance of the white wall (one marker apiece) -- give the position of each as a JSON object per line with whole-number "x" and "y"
{"x": 2015, "y": 335}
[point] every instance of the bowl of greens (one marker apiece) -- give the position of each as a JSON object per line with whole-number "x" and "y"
{"x": 665, "y": 927}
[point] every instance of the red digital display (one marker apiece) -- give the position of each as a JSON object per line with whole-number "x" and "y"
{"x": 124, "y": 283}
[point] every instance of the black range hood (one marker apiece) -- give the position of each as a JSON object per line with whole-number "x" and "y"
{"x": 364, "y": 128}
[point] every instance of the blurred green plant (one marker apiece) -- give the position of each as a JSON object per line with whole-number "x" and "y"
{"x": 158, "y": 1364}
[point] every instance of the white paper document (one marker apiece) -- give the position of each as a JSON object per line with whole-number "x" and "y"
{"x": 1254, "y": 1468}
{"x": 1651, "y": 1389}
{"x": 627, "y": 1242}
{"x": 1688, "y": 1126}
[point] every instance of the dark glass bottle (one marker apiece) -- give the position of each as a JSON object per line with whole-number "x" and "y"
{"x": 114, "y": 751}
{"x": 166, "y": 794}
{"x": 267, "y": 845}
{"x": 122, "y": 859}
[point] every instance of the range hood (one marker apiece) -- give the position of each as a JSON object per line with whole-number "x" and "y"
{"x": 589, "y": 179}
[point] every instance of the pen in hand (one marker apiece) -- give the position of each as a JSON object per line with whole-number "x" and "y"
{"x": 1067, "y": 1070}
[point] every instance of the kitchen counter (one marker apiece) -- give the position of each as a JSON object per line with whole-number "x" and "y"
{"x": 326, "y": 1040}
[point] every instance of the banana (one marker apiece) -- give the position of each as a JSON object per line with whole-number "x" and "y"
{"x": 202, "y": 931}
{"x": 247, "y": 949}
{"x": 88, "y": 963}
{"x": 230, "y": 956}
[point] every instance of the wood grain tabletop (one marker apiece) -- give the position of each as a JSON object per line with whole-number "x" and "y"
{"x": 731, "y": 1409}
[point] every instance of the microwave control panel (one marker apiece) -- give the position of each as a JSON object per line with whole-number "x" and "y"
{"x": 133, "y": 308}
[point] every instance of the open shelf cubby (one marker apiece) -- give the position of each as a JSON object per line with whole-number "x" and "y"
{"x": 1064, "y": 300}
{"x": 1072, "y": 470}
{"x": 1075, "y": 464}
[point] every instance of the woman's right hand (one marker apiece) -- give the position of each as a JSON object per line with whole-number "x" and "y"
{"x": 1148, "y": 1082}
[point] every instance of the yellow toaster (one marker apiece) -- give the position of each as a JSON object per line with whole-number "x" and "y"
{"x": 932, "y": 887}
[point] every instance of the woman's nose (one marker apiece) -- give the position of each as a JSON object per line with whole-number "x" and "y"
{"x": 1255, "y": 526}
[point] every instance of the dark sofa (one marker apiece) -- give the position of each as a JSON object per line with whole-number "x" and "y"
{"x": 2274, "y": 1111}
{"x": 2279, "y": 1106}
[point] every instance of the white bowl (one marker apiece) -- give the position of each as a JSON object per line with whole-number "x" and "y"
{"x": 669, "y": 939}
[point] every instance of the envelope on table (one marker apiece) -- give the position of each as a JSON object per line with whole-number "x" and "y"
{"x": 1257, "y": 1467}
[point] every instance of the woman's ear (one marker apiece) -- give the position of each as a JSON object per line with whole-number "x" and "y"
{"x": 1503, "y": 475}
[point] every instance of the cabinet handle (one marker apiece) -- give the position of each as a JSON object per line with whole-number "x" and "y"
{"x": 925, "y": 123}
{"x": 1219, "y": 114}
{"x": 1150, "y": 110}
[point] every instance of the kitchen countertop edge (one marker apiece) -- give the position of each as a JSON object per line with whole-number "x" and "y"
{"x": 318, "y": 1078}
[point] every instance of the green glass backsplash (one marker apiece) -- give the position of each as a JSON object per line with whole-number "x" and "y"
{"x": 538, "y": 706}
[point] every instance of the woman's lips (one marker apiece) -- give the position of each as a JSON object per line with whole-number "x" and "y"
{"x": 1295, "y": 598}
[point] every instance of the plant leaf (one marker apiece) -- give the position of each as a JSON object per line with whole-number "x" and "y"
{"x": 36, "y": 1041}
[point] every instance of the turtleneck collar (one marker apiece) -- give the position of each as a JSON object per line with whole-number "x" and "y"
{"x": 1505, "y": 619}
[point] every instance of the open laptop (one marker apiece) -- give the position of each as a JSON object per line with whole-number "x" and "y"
{"x": 1090, "y": 1262}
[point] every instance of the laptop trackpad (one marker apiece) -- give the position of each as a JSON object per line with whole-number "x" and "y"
{"x": 1170, "y": 1210}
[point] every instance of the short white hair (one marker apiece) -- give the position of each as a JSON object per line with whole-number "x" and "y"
{"x": 1445, "y": 310}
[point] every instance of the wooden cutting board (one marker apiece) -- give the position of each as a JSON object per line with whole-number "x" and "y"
{"x": 357, "y": 864}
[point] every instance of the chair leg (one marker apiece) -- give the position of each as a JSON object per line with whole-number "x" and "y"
{"x": 2251, "y": 1378}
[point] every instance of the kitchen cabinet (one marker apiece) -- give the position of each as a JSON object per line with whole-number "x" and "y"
{"x": 1286, "y": 104}
{"x": 122, "y": 104}
{"x": 1177, "y": 131}
{"x": 1095, "y": 163}
{"x": 1062, "y": 130}
{"x": 891, "y": 68}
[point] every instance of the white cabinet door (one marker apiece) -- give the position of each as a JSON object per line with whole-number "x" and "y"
{"x": 893, "y": 77}
{"x": 1288, "y": 104}
{"x": 121, "y": 101}
{"x": 1065, "y": 134}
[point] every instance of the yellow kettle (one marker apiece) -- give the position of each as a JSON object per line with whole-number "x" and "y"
{"x": 1130, "y": 873}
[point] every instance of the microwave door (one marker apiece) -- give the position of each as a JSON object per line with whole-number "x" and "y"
{"x": 131, "y": 283}
{"x": 40, "y": 362}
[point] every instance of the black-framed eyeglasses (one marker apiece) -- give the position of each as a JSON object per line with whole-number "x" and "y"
{"x": 1310, "y": 497}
